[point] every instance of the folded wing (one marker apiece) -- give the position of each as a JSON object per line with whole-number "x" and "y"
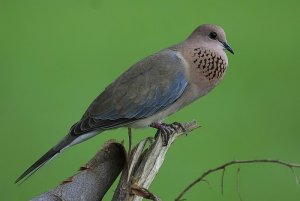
{"x": 146, "y": 88}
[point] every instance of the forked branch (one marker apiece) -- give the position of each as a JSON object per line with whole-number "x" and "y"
{"x": 235, "y": 162}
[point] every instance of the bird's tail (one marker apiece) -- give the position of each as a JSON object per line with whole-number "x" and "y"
{"x": 66, "y": 142}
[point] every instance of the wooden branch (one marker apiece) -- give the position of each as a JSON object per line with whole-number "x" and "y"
{"x": 140, "y": 167}
{"x": 144, "y": 164}
{"x": 234, "y": 162}
{"x": 92, "y": 181}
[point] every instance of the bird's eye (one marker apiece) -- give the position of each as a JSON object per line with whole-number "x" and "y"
{"x": 212, "y": 35}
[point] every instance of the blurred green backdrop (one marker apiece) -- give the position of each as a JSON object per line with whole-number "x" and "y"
{"x": 57, "y": 56}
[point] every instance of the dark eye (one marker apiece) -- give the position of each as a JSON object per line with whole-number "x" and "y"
{"x": 213, "y": 35}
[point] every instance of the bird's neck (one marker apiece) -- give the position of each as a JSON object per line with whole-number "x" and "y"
{"x": 206, "y": 66}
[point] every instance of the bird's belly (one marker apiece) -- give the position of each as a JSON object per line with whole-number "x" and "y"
{"x": 158, "y": 117}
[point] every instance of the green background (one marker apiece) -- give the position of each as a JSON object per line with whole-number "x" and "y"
{"x": 57, "y": 56}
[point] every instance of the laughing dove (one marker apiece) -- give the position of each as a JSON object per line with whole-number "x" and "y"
{"x": 152, "y": 89}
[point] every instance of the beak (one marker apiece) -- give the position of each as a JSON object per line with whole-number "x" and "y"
{"x": 227, "y": 47}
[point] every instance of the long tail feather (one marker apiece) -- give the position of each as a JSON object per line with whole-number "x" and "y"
{"x": 46, "y": 157}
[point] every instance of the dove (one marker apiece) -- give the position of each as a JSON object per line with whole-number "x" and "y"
{"x": 152, "y": 89}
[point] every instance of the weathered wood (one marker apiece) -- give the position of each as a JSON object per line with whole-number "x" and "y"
{"x": 145, "y": 162}
{"x": 92, "y": 182}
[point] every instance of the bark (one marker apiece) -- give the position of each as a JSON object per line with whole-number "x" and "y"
{"x": 92, "y": 181}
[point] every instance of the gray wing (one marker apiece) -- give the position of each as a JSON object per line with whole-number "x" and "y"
{"x": 145, "y": 89}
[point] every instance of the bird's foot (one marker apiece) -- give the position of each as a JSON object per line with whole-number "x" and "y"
{"x": 166, "y": 129}
{"x": 176, "y": 125}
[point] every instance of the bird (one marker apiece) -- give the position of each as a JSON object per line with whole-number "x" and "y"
{"x": 152, "y": 89}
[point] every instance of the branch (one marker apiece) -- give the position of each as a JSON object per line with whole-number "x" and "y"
{"x": 144, "y": 164}
{"x": 94, "y": 179}
{"x": 234, "y": 162}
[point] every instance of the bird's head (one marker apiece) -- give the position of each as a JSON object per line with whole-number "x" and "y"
{"x": 212, "y": 35}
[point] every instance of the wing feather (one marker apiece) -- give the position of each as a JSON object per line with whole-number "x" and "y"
{"x": 145, "y": 89}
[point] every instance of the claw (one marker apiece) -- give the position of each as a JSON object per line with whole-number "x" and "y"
{"x": 165, "y": 134}
{"x": 179, "y": 125}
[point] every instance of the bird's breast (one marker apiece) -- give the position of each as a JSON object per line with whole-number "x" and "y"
{"x": 209, "y": 63}
{"x": 206, "y": 68}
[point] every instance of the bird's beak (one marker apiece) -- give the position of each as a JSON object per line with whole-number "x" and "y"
{"x": 227, "y": 47}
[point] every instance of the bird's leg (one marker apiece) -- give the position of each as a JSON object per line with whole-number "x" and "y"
{"x": 129, "y": 143}
{"x": 164, "y": 129}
